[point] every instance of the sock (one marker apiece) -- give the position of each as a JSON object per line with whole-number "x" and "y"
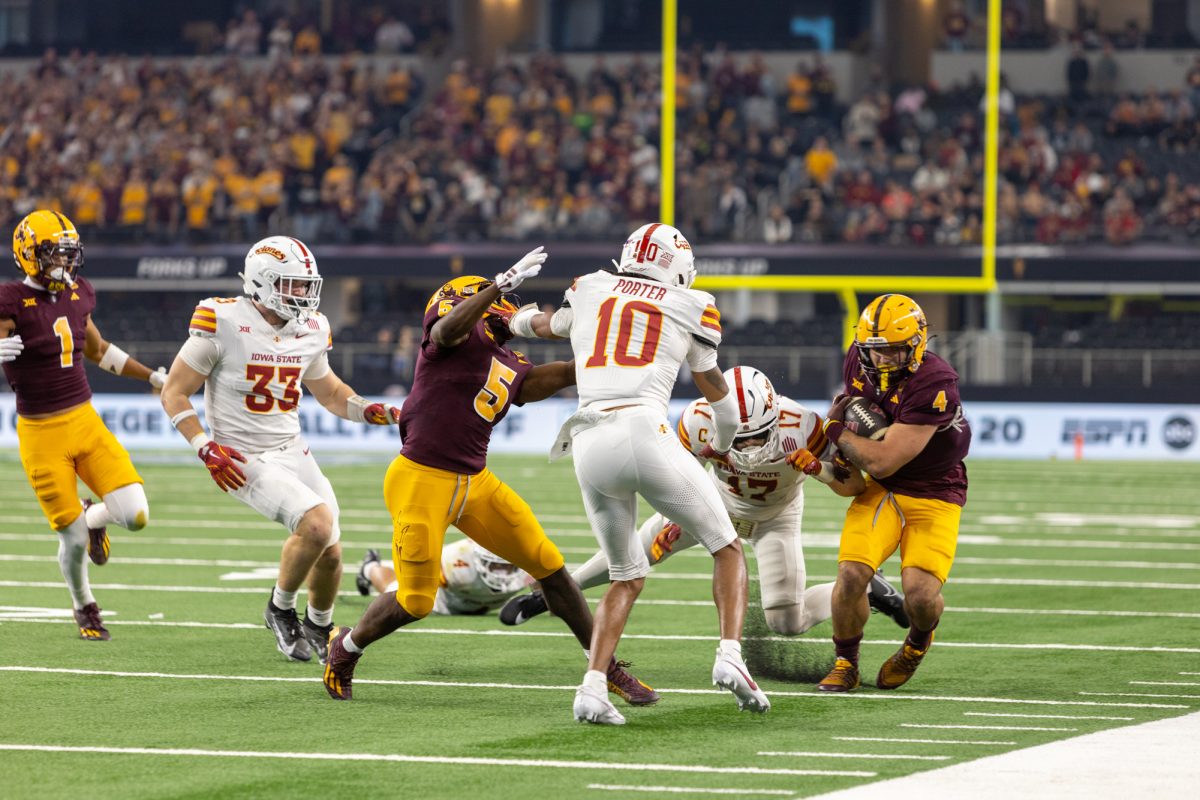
{"x": 596, "y": 680}
{"x": 847, "y": 648}
{"x": 349, "y": 644}
{"x": 283, "y": 600}
{"x": 97, "y": 515}
{"x": 369, "y": 571}
{"x": 319, "y": 618}
{"x": 731, "y": 647}
{"x": 72, "y": 561}
{"x": 918, "y": 638}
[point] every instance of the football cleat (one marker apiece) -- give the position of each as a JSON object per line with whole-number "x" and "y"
{"x": 729, "y": 672}
{"x": 523, "y": 608}
{"x": 98, "y": 544}
{"x": 361, "y": 580}
{"x": 591, "y": 706}
{"x": 896, "y": 671}
{"x": 339, "y": 667}
{"x": 884, "y": 598}
{"x": 91, "y": 627}
{"x": 842, "y": 678}
{"x": 290, "y": 640}
{"x": 317, "y": 637}
{"x": 624, "y": 685}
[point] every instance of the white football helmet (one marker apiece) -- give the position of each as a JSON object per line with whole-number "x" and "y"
{"x": 758, "y": 410}
{"x": 659, "y": 252}
{"x": 497, "y": 574}
{"x": 281, "y": 273}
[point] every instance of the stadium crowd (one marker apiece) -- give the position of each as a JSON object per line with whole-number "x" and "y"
{"x": 355, "y": 149}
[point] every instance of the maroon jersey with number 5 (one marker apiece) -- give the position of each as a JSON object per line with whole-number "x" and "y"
{"x": 48, "y": 375}
{"x": 928, "y": 396}
{"x": 459, "y": 394}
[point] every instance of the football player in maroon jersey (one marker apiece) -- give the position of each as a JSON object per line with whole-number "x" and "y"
{"x": 46, "y": 331}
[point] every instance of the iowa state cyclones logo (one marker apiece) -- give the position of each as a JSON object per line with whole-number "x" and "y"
{"x": 271, "y": 251}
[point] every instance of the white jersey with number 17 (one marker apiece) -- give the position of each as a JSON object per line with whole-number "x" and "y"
{"x": 631, "y": 335}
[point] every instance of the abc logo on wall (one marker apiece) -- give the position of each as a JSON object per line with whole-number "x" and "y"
{"x": 1179, "y": 433}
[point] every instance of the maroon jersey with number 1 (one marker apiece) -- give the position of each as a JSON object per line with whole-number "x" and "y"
{"x": 48, "y": 375}
{"x": 928, "y": 396}
{"x": 459, "y": 394}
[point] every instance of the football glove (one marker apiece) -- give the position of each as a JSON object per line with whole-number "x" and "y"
{"x": 664, "y": 541}
{"x": 220, "y": 462}
{"x": 529, "y": 266}
{"x": 158, "y": 379}
{"x": 803, "y": 461}
{"x": 712, "y": 454}
{"x": 381, "y": 414}
{"x": 10, "y": 348}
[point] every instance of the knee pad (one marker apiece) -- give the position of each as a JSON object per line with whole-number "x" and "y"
{"x": 417, "y": 570}
{"x": 788, "y": 620}
{"x": 549, "y": 559}
{"x": 416, "y": 603}
{"x": 128, "y": 506}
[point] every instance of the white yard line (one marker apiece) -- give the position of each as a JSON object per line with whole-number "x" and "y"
{"x": 689, "y": 790}
{"x": 1154, "y": 759}
{"x": 1140, "y": 694}
{"x": 982, "y": 727}
{"x": 1164, "y": 683}
{"x": 1042, "y": 716}
{"x": 915, "y": 741}
{"x": 809, "y": 695}
{"x": 410, "y": 759}
{"x": 880, "y": 756}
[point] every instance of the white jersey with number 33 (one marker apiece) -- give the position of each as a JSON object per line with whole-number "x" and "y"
{"x": 254, "y": 370}
{"x": 630, "y": 336}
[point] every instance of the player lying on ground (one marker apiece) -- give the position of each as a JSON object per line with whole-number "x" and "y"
{"x": 466, "y": 378}
{"x": 916, "y": 485}
{"x": 253, "y": 355}
{"x": 761, "y": 487}
{"x": 46, "y": 331}
{"x": 474, "y": 580}
{"x": 631, "y": 333}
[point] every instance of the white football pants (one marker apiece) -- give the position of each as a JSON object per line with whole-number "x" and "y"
{"x": 283, "y": 484}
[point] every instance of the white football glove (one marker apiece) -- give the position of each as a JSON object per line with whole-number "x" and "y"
{"x": 10, "y": 348}
{"x": 529, "y": 265}
{"x": 158, "y": 379}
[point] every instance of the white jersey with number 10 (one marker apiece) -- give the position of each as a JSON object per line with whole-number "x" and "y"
{"x": 631, "y": 335}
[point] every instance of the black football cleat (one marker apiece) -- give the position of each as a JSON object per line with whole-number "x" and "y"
{"x": 884, "y": 598}
{"x": 523, "y": 608}
{"x": 623, "y": 684}
{"x": 361, "y": 581}
{"x": 317, "y": 637}
{"x": 339, "y": 668}
{"x": 91, "y": 627}
{"x": 98, "y": 544}
{"x": 288, "y": 637}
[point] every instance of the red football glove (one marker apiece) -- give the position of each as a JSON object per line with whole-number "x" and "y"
{"x": 381, "y": 414}
{"x": 664, "y": 541}
{"x": 804, "y": 461}
{"x": 710, "y": 453}
{"x": 219, "y": 460}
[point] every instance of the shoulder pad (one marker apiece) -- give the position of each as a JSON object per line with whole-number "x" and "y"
{"x": 204, "y": 318}
{"x": 695, "y": 425}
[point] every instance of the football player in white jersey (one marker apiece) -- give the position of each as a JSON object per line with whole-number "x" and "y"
{"x": 761, "y": 486}
{"x": 474, "y": 579}
{"x": 253, "y": 354}
{"x": 631, "y": 332}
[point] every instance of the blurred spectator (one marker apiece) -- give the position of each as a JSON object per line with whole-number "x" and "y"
{"x": 279, "y": 40}
{"x": 956, "y": 26}
{"x": 1106, "y": 72}
{"x": 393, "y": 36}
{"x": 1078, "y": 73}
{"x": 777, "y": 227}
{"x": 821, "y": 164}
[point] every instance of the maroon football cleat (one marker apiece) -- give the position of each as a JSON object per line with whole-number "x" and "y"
{"x": 627, "y": 687}
{"x": 98, "y": 544}
{"x": 339, "y": 666}
{"x": 91, "y": 627}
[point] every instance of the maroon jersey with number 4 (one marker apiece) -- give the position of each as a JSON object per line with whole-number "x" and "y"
{"x": 458, "y": 395}
{"x": 928, "y": 396}
{"x": 48, "y": 375}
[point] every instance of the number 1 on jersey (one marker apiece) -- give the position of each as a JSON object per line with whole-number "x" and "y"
{"x": 621, "y": 355}
{"x": 493, "y": 397}
{"x": 62, "y": 329}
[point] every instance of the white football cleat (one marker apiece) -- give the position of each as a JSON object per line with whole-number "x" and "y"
{"x": 592, "y": 706}
{"x": 729, "y": 672}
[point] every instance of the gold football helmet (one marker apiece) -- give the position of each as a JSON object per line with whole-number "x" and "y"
{"x": 498, "y": 313}
{"x": 893, "y": 325}
{"x": 46, "y": 248}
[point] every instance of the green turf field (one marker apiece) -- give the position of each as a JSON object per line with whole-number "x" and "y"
{"x": 1072, "y": 608}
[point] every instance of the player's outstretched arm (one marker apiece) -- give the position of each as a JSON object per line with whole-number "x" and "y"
{"x": 452, "y": 329}
{"x": 882, "y": 458}
{"x": 545, "y": 380}
{"x": 712, "y": 385}
{"x": 113, "y": 359}
{"x": 530, "y": 322}
{"x": 839, "y": 475}
{"x": 339, "y": 399}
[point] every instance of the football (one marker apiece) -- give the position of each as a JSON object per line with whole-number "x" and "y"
{"x": 865, "y": 419}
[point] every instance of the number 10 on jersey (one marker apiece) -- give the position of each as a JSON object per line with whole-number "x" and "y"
{"x": 651, "y": 334}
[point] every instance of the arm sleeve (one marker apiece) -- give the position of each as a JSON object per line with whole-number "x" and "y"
{"x": 701, "y": 356}
{"x": 560, "y": 323}
{"x": 318, "y": 368}
{"x": 201, "y": 353}
{"x": 725, "y": 422}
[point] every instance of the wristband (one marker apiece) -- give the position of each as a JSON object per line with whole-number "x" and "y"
{"x": 114, "y": 359}
{"x": 826, "y": 474}
{"x": 356, "y": 406}
{"x": 834, "y": 430}
{"x": 181, "y": 416}
{"x": 198, "y": 441}
{"x": 521, "y": 323}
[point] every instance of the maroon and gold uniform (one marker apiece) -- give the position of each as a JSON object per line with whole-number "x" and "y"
{"x": 916, "y": 508}
{"x": 459, "y": 394}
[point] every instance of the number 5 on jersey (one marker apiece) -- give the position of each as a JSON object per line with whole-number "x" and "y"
{"x": 493, "y": 397}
